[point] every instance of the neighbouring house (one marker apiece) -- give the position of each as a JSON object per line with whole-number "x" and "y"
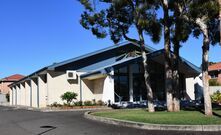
{"x": 195, "y": 84}
{"x": 215, "y": 71}
{"x": 4, "y": 88}
{"x": 215, "y": 77}
{"x": 113, "y": 74}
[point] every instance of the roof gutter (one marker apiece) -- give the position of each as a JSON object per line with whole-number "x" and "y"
{"x": 28, "y": 77}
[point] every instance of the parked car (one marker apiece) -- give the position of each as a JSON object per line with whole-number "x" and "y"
{"x": 191, "y": 104}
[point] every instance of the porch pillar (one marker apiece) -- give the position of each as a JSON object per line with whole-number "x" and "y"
{"x": 14, "y": 95}
{"x": 11, "y": 96}
{"x": 30, "y": 93}
{"x": 34, "y": 92}
{"x": 108, "y": 90}
{"x": 27, "y": 94}
{"x": 18, "y": 92}
{"x": 37, "y": 83}
{"x": 42, "y": 89}
{"x": 22, "y": 95}
{"x": 131, "y": 91}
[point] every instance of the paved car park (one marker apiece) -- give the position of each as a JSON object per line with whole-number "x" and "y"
{"x": 15, "y": 121}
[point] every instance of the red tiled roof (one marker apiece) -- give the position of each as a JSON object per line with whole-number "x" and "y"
{"x": 15, "y": 77}
{"x": 216, "y": 66}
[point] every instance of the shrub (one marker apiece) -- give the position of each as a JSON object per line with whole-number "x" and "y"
{"x": 55, "y": 104}
{"x": 94, "y": 102}
{"x": 216, "y": 97}
{"x": 69, "y": 97}
{"x": 214, "y": 82}
{"x": 88, "y": 103}
{"x": 100, "y": 103}
{"x": 71, "y": 104}
{"x": 79, "y": 103}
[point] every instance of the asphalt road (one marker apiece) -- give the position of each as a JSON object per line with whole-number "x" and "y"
{"x": 23, "y": 122}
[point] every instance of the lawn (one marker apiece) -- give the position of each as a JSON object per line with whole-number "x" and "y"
{"x": 176, "y": 118}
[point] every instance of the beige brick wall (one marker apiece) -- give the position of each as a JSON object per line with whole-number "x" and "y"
{"x": 57, "y": 84}
{"x": 54, "y": 84}
{"x": 34, "y": 92}
{"x": 98, "y": 88}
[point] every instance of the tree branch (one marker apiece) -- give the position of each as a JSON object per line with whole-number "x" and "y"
{"x": 127, "y": 38}
{"x": 132, "y": 4}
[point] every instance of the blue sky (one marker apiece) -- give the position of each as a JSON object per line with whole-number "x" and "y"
{"x": 37, "y": 33}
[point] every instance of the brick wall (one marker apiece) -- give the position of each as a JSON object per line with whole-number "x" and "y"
{"x": 4, "y": 87}
{"x": 219, "y": 78}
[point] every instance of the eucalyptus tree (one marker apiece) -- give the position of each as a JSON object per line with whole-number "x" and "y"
{"x": 117, "y": 19}
{"x": 180, "y": 32}
{"x": 204, "y": 14}
{"x": 168, "y": 56}
{"x": 220, "y": 19}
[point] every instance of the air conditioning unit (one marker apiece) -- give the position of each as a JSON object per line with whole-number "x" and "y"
{"x": 71, "y": 75}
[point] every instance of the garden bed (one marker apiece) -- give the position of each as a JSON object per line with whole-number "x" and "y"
{"x": 74, "y": 107}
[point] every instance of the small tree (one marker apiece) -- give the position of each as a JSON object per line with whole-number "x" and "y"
{"x": 69, "y": 97}
{"x": 7, "y": 97}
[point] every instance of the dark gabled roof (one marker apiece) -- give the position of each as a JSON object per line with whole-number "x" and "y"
{"x": 152, "y": 52}
{"x": 52, "y": 67}
{"x": 120, "y": 63}
{"x": 28, "y": 76}
{"x": 191, "y": 65}
{"x": 105, "y": 68}
{"x": 137, "y": 59}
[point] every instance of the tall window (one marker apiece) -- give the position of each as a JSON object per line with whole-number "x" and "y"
{"x": 121, "y": 83}
{"x": 139, "y": 88}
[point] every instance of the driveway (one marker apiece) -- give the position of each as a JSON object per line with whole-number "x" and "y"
{"x": 23, "y": 122}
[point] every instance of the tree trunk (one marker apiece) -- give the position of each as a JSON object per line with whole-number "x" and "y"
{"x": 205, "y": 63}
{"x": 207, "y": 99}
{"x": 220, "y": 19}
{"x": 146, "y": 74}
{"x": 176, "y": 88}
{"x": 168, "y": 65}
{"x": 176, "y": 57}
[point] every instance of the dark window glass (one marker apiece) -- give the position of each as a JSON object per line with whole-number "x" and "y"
{"x": 121, "y": 84}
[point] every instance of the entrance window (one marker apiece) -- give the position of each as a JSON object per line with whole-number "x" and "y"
{"x": 139, "y": 89}
{"x": 121, "y": 84}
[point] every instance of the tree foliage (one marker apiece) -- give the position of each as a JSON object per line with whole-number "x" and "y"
{"x": 69, "y": 97}
{"x": 119, "y": 17}
{"x": 180, "y": 20}
{"x": 208, "y": 12}
{"x": 205, "y": 16}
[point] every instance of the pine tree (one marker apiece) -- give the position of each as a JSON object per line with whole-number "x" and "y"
{"x": 204, "y": 14}
{"x": 116, "y": 21}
